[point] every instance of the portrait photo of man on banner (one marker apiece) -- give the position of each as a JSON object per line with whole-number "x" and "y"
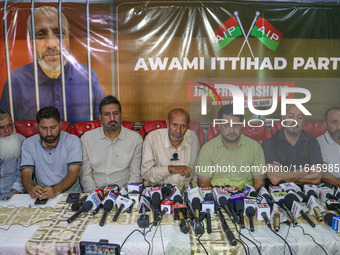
{"x": 72, "y": 87}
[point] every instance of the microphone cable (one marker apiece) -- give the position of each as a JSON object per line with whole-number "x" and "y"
{"x": 306, "y": 234}
{"x": 284, "y": 248}
{"x": 27, "y": 226}
{"x": 290, "y": 250}
{"x": 199, "y": 241}
{"x": 240, "y": 234}
{"x": 250, "y": 233}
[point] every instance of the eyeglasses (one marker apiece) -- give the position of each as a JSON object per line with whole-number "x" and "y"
{"x": 174, "y": 157}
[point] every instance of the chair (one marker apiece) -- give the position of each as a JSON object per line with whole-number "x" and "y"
{"x": 26, "y": 128}
{"x": 29, "y": 128}
{"x": 151, "y": 125}
{"x": 196, "y": 127}
{"x": 259, "y": 134}
{"x": 81, "y": 127}
{"x": 314, "y": 128}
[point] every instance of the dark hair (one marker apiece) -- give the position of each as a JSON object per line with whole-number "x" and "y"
{"x": 228, "y": 110}
{"x": 109, "y": 100}
{"x": 330, "y": 109}
{"x": 4, "y": 114}
{"x": 48, "y": 113}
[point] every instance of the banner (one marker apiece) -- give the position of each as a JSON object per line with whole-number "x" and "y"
{"x": 149, "y": 53}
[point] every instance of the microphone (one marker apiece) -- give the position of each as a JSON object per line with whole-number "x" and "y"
{"x": 195, "y": 221}
{"x": 278, "y": 215}
{"x": 167, "y": 191}
{"x": 233, "y": 212}
{"x": 315, "y": 207}
{"x": 122, "y": 203}
{"x": 285, "y": 208}
{"x": 250, "y": 213}
{"x": 156, "y": 202}
{"x": 266, "y": 220}
{"x": 156, "y": 197}
{"x": 297, "y": 208}
{"x": 225, "y": 227}
{"x": 262, "y": 211}
{"x": 224, "y": 204}
{"x": 143, "y": 221}
{"x": 84, "y": 208}
{"x": 184, "y": 227}
{"x": 250, "y": 191}
{"x": 239, "y": 205}
{"x": 108, "y": 205}
{"x": 208, "y": 206}
{"x": 196, "y": 204}
{"x": 303, "y": 196}
{"x": 76, "y": 205}
{"x": 333, "y": 205}
{"x": 325, "y": 193}
{"x": 329, "y": 219}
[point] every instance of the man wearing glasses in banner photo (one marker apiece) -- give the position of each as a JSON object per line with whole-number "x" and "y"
{"x": 170, "y": 154}
{"x": 49, "y": 74}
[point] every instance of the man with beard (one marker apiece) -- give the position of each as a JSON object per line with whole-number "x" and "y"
{"x": 330, "y": 146}
{"x": 10, "y": 151}
{"x": 52, "y": 157}
{"x": 112, "y": 153}
{"x": 223, "y": 159}
{"x": 49, "y": 74}
{"x": 170, "y": 154}
{"x": 292, "y": 155}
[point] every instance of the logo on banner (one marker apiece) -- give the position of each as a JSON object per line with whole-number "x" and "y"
{"x": 260, "y": 28}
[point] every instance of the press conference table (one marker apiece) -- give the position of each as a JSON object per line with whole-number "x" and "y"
{"x": 44, "y": 230}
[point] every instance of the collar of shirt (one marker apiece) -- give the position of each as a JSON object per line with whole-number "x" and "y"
{"x": 121, "y": 135}
{"x": 220, "y": 142}
{"x": 61, "y": 133}
{"x": 185, "y": 142}
{"x": 301, "y": 139}
{"x": 329, "y": 139}
{"x": 42, "y": 77}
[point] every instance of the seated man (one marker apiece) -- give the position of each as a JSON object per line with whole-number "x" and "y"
{"x": 229, "y": 154}
{"x": 112, "y": 154}
{"x": 330, "y": 146}
{"x": 10, "y": 151}
{"x": 53, "y": 157}
{"x": 292, "y": 154}
{"x": 170, "y": 154}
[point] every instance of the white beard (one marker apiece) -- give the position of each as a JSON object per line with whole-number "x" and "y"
{"x": 10, "y": 147}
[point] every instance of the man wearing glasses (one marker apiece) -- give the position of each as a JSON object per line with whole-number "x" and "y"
{"x": 231, "y": 158}
{"x": 170, "y": 154}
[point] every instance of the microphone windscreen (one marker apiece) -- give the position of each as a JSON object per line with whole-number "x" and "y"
{"x": 178, "y": 199}
{"x": 208, "y": 197}
{"x": 253, "y": 194}
{"x": 223, "y": 201}
{"x": 230, "y": 204}
{"x": 250, "y": 211}
{"x": 311, "y": 193}
{"x": 239, "y": 204}
{"x": 289, "y": 200}
{"x": 328, "y": 218}
{"x": 156, "y": 200}
{"x": 87, "y": 206}
{"x": 167, "y": 190}
{"x": 196, "y": 202}
{"x": 303, "y": 196}
{"x": 108, "y": 205}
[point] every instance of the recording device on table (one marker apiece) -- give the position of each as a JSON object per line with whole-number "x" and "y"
{"x": 90, "y": 248}
{"x": 39, "y": 201}
{"x": 72, "y": 197}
